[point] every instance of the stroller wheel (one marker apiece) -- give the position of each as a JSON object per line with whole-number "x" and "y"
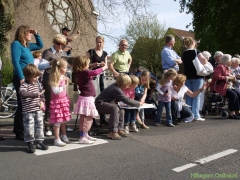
{"x": 224, "y": 114}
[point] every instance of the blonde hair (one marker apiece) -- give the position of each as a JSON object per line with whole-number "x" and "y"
{"x": 167, "y": 74}
{"x": 21, "y": 33}
{"x": 79, "y": 63}
{"x": 37, "y": 54}
{"x": 145, "y": 74}
{"x": 31, "y": 71}
{"x": 180, "y": 78}
{"x": 55, "y": 71}
{"x": 134, "y": 79}
{"x": 101, "y": 38}
{"x": 188, "y": 41}
{"x": 123, "y": 80}
{"x": 59, "y": 38}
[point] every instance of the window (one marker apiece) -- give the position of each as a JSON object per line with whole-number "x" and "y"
{"x": 59, "y": 15}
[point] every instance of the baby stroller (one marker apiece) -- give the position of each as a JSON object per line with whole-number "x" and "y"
{"x": 215, "y": 104}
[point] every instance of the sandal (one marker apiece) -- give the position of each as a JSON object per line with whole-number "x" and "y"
{"x": 144, "y": 126}
{"x": 2, "y": 138}
{"x": 139, "y": 121}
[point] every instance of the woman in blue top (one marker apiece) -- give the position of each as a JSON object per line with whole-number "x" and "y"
{"x": 22, "y": 56}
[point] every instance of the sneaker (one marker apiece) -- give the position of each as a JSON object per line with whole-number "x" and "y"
{"x": 69, "y": 129}
{"x": 122, "y": 133}
{"x": 126, "y": 129}
{"x": 156, "y": 124}
{"x": 91, "y": 138}
{"x": 114, "y": 136}
{"x": 48, "y": 133}
{"x": 134, "y": 127}
{"x": 42, "y": 146}
{"x": 59, "y": 143}
{"x": 85, "y": 141}
{"x": 199, "y": 119}
{"x": 64, "y": 139}
{"x": 31, "y": 148}
{"x": 144, "y": 126}
{"x": 170, "y": 125}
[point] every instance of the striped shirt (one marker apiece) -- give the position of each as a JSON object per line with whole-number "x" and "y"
{"x": 29, "y": 97}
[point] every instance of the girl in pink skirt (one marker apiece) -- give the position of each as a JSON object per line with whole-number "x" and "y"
{"x": 59, "y": 104}
{"x": 85, "y": 106}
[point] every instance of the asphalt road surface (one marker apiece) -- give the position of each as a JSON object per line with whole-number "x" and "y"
{"x": 197, "y": 150}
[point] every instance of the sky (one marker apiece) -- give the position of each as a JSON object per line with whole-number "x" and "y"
{"x": 167, "y": 11}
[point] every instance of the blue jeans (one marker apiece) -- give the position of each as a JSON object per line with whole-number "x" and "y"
{"x": 167, "y": 106}
{"x": 130, "y": 116}
{"x": 194, "y": 85}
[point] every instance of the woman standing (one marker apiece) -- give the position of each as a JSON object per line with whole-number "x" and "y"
{"x": 193, "y": 82}
{"x": 22, "y": 56}
{"x": 98, "y": 59}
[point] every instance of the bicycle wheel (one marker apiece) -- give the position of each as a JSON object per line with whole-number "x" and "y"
{"x": 8, "y": 103}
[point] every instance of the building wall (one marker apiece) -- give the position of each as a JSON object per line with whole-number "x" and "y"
{"x": 29, "y": 13}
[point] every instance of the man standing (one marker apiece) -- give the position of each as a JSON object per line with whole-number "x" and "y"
{"x": 121, "y": 59}
{"x": 68, "y": 48}
{"x": 216, "y": 58}
{"x": 170, "y": 59}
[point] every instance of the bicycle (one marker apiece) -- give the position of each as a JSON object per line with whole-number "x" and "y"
{"x": 8, "y": 102}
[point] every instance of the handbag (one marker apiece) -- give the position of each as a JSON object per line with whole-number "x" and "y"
{"x": 202, "y": 70}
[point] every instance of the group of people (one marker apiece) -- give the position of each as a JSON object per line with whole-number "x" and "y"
{"x": 49, "y": 91}
{"x": 223, "y": 80}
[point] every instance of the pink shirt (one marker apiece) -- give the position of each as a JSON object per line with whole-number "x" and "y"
{"x": 129, "y": 92}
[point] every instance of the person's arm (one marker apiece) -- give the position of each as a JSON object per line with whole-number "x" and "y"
{"x": 38, "y": 45}
{"x": 168, "y": 58}
{"x": 111, "y": 65}
{"x": 219, "y": 73}
{"x": 159, "y": 90}
{"x": 70, "y": 39}
{"x": 23, "y": 91}
{"x": 194, "y": 94}
{"x": 92, "y": 65}
{"x": 44, "y": 64}
{"x": 202, "y": 59}
{"x": 144, "y": 95}
{"x": 178, "y": 59}
{"x": 129, "y": 62}
{"x": 96, "y": 71}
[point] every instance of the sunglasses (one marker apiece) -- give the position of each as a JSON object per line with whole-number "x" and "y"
{"x": 60, "y": 44}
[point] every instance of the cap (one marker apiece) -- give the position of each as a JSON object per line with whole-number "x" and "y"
{"x": 65, "y": 29}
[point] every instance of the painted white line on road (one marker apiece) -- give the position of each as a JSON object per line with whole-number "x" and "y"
{"x": 71, "y": 146}
{"x": 182, "y": 168}
{"x": 205, "y": 160}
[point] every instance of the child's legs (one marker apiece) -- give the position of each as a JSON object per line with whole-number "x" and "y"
{"x": 63, "y": 128}
{"x": 141, "y": 114}
{"x": 127, "y": 117}
{"x": 57, "y": 130}
{"x": 38, "y": 119}
{"x": 133, "y": 115}
{"x": 121, "y": 119}
{"x": 28, "y": 124}
{"x": 85, "y": 124}
{"x": 159, "y": 112}
{"x": 113, "y": 110}
{"x": 168, "y": 112}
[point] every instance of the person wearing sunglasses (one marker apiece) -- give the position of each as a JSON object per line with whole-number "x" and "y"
{"x": 56, "y": 51}
{"x": 121, "y": 59}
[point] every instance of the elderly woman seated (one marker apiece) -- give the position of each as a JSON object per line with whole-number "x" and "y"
{"x": 236, "y": 72}
{"x": 220, "y": 83}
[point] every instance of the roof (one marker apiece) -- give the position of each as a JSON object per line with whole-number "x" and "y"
{"x": 182, "y": 33}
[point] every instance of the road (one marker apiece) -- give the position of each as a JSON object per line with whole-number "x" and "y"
{"x": 157, "y": 153}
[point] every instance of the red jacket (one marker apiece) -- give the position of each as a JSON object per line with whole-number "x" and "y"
{"x": 219, "y": 80}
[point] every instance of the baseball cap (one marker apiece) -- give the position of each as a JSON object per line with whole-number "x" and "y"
{"x": 65, "y": 28}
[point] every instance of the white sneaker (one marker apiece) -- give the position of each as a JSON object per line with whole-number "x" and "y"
{"x": 59, "y": 143}
{"x": 64, "y": 139}
{"x": 126, "y": 129}
{"x": 134, "y": 127}
{"x": 200, "y": 119}
{"x": 48, "y": 133}
{"x": 69, "y": 129}
{"x": 85, "y": 141}
{"x": 91, "y": 138}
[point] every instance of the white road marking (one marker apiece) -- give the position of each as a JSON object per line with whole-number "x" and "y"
{"x": 205, "y": 160}
{"x": 71, "y": 146}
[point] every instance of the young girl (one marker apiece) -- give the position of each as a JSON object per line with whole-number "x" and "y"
{"x": 141, "y": 94}
{"x": 59, "y": 103}
{"x": 130, "y": 114}
{"x": 85, "y": 104}
{"x": 164, "y": 98}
